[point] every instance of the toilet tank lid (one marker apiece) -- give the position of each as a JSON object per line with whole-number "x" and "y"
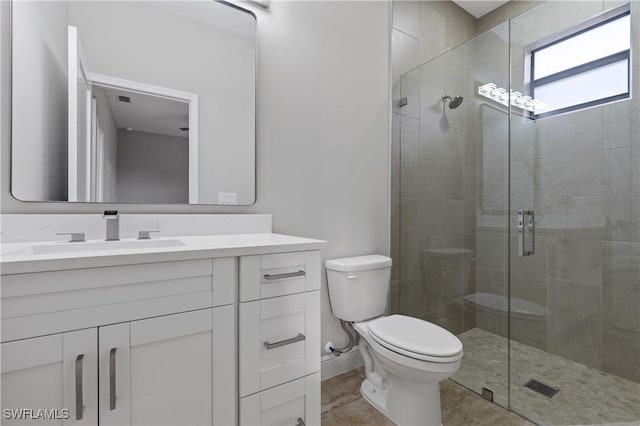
{"x": 358, "y": 263}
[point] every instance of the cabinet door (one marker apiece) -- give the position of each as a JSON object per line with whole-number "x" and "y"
{"x": 54, "y": 373}
{"x": 171, "y": 370}
{"x": 113, "y": 374}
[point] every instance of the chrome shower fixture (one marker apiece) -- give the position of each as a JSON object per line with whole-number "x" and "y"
{"x": 454, "y": 102}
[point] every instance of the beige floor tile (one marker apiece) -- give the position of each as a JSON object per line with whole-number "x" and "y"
{"x": 358, "y": 413}
{"x": 342, "y": 405}
{"x": 340, "y": 390}
{"x": 326, "y": 420}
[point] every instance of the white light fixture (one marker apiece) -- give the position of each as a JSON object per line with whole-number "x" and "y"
{"x": 517, "y": 99}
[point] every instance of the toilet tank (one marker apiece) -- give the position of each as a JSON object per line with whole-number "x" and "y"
{"x": 359, "y": 286}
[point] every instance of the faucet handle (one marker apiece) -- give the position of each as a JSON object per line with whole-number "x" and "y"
{"x": 145, "y": 235}
{"x": 76, "y": 237}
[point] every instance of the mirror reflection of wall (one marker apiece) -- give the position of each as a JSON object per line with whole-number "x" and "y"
{"x": 39, "y": 101}
{"x": 179, "y": 63}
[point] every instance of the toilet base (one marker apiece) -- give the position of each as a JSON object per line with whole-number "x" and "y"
{"x": 422, "y": 408}
{"x": 404, "y": 389}
{"x": 375, "y": 397}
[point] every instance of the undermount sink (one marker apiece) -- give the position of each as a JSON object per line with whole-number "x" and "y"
{"x": 68, "y": 247}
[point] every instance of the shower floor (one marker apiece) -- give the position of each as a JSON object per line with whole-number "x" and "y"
{"x": 587, "y": 396}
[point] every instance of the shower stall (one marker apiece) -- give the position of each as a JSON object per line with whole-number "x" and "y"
{"x": 520, "y": 209}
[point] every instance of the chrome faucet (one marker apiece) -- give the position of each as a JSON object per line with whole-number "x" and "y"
{"x": 113, "y": 225}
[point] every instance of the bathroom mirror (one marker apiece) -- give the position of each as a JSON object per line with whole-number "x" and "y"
{"x": 133, "y": 102}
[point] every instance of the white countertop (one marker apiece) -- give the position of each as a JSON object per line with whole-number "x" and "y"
{"x": 14, "y": 259}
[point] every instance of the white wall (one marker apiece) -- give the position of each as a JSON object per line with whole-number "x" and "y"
{"x": 322, "y": 130}
{"x": 152, "y": 168}
{"x": 323, "y": 126}
{"x": 40, "y": 52}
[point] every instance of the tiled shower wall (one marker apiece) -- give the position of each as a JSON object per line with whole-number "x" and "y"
{"x": 579, "y": 171}
{"x": 581, "y": 175}
{"x": 421, "y": 31}
{"x": 452, "y": 163}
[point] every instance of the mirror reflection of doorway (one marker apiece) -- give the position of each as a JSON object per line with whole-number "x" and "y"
{"x": 145, "y": 142}
{"x": 100, "y": 165}
{"x": 79, "y": 120}
{"x": 128, "y": 142}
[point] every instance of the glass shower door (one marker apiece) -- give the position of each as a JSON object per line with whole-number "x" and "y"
{"x": 574, "y": 244}
{"x": 454, "y": 204}
{"x": 519, "y": 230}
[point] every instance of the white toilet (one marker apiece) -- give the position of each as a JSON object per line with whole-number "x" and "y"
{"x": 405, "y": 358}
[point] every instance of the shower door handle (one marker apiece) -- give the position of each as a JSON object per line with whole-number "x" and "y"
{"x": 526, "y": 232}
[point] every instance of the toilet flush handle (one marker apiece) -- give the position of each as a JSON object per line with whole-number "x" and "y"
{"x": 352, "y": 276}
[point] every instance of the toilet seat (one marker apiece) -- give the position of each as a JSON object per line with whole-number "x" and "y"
{"x": 415, "y": 338}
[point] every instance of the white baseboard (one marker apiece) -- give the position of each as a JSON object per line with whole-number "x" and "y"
{"x": 332, "y": 365}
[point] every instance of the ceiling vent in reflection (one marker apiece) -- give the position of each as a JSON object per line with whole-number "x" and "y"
{"x": 125, "y": 99}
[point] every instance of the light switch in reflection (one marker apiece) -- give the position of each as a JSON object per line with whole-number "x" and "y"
{"x": 227, "y": 198}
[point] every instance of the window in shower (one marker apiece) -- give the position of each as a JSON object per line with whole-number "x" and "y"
{"x": 583, "y": 66}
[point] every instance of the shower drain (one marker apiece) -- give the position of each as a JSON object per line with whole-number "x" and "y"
{"x": 546, "y": 390}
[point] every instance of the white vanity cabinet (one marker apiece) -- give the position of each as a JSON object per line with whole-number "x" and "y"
{"x": 280, "y": 339}
{"x": 224, "y": 333}
{"x": 156, "y": 345}
{"x": 172, "y": 370}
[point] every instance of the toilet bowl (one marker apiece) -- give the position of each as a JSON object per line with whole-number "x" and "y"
{"x": 410, "y": 370}
{"x": 405, "y": 358}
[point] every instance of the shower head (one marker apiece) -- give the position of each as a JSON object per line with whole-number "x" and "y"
{"x": 454, "y": 102}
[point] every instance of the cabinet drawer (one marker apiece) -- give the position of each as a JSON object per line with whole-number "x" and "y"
{"x": 279, "y": 340}
{"x": 293, "y": 403}
{"x": 272, "y": 275}
{"x": 51, "y": 302}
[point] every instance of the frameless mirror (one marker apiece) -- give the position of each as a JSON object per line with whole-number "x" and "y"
{"x": 133, "y": 102}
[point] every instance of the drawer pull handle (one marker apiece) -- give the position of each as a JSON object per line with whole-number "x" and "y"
{"x": 299, "y": 338}
{"x": 270, "y": 277}
{"x": 79, "y": 391}
{"x": 300, "y": 422}
{"x": 112, "y": 379}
